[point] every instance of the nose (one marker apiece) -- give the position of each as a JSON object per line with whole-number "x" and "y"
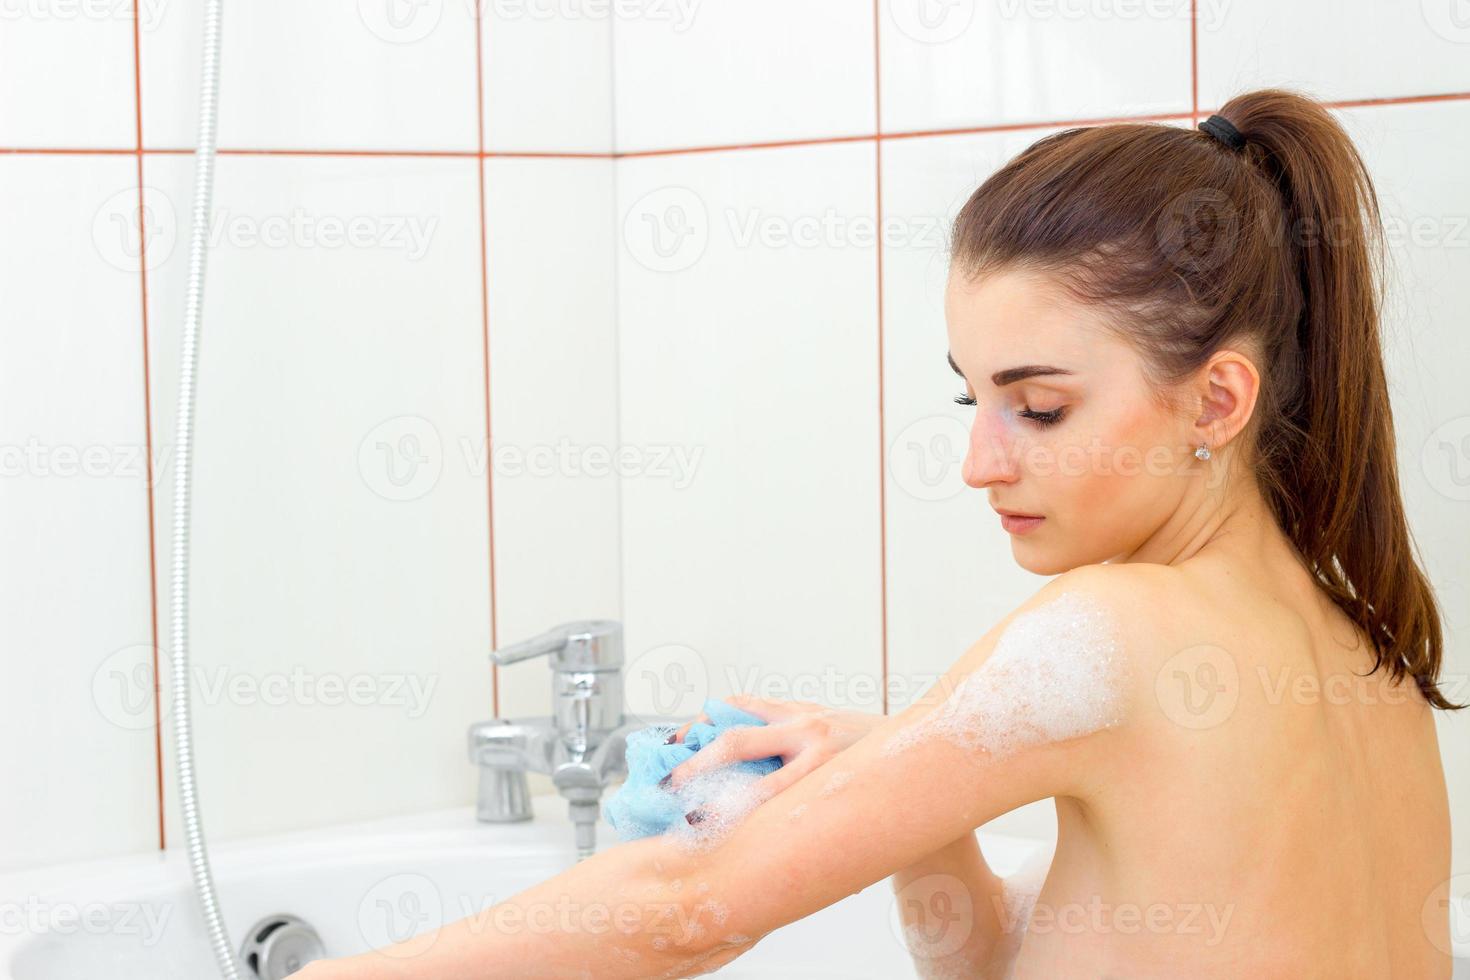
{"x": 989, "y": 459}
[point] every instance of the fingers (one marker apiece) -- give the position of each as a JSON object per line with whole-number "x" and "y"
{"x": 683, "y": 729}
{"x": 763, "y": 708}
{"x": 772, "y": 711}
{"x": 782, "y": 779}
{"x": 735, "y": 745}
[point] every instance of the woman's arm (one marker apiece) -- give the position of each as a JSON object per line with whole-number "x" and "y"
{"x": 916, "y": 785}
{"x": 631, "y": 911}
{"x": 955, "y": 914}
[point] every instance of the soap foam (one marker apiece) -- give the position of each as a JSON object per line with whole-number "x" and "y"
{"x": 1053, "y": 675}
{"x": 839, "y": 779}
{"x": 723, "y": 796}
{"x": 929, "y": 967}
{"x": 1020, "y": 890}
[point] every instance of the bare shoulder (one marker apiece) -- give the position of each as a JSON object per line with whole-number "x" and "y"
{"x": 1150, "y": 609}
{"x": 1148, "y": 621}
{"x": 1076, "y": 666}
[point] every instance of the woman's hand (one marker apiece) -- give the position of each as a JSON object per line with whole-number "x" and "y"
{"x": 802, "y": 734}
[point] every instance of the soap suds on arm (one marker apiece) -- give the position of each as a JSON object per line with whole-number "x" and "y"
{"x": 1053, "y": 675}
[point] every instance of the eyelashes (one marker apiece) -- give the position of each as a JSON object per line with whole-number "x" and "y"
{"x": 1042, "y": 419}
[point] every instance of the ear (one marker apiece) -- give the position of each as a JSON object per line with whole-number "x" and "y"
{"x": 1228, "y": 385}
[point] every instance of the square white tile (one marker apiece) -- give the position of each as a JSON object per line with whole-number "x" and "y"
{"x": 74, "y": 586}
{"x": 548, "y": 76}
{"x": 340, "y": 599}
{"x": 554, "y": 392}
{"x": 66, "y": 71}
{"x": 747, "y": 304}
{"x": 723, "y": 72}
{"x": 379, "y": 74}
{"x": 1331, "y": 50}
{"x": 964, "y": 63}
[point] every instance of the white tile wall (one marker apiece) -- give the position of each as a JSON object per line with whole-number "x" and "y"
{"x": 713, "y": 315}
{"x": 74, "y": 598}
{"x": 340, "y": 518}
{"x": 81, "y": 57}
{"x": 748, "y": 331}
{"x": 949, "y": 65}
{"x": 1332, "y": 50}
{"x": 547, "y": 76}
{"x": 380, "y": 74}
{"x": 553, "y": 362}
{"x": 720, "y": 72}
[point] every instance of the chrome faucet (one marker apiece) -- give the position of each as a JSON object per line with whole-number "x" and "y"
{"x": 581, "y": 745}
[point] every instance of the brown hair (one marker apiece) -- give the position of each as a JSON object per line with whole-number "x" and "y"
{"x": 1192, "y": 244}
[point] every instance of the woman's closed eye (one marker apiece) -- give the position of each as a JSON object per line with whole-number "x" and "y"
{"x": 1042, "y": 419}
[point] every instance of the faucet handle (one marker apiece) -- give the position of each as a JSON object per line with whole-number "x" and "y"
{"x": 584, "y": 644}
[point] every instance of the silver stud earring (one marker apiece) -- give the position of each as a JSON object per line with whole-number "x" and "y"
{"x": 1203, "y": 452}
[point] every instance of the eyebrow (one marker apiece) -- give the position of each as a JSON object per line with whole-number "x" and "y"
{"x": 1011, "y": 375}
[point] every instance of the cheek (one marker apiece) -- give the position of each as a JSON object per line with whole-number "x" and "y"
{"x": 1103, "y": 463}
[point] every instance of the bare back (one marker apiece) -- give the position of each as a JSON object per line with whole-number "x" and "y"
{"x": 1283, "y": 817}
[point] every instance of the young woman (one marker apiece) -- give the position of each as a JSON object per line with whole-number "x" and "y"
{"x": 1171, "y": 340}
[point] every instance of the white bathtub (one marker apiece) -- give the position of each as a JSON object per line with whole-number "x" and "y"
{"x": 366, "y": 885}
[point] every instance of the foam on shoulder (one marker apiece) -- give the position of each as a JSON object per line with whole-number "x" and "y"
{"x": 1053, "y": 675}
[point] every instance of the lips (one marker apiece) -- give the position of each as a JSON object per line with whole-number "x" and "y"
{"x": 1017, "y": 523}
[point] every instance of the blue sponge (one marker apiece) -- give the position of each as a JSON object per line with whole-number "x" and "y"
{"x": 641, "y": 807}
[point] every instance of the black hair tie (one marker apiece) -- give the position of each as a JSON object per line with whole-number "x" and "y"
{"x": 1224, "y": 131}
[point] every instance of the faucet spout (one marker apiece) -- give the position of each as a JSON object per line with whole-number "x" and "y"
{"x": 582, "y": 745}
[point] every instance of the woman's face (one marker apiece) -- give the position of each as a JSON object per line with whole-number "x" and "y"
{"x": 1066, "y": 427}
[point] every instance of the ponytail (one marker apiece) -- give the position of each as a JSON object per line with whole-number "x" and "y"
{"x": 1335, "y": 486}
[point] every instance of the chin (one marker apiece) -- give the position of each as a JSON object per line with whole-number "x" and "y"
{"x": 1040, "y": 561}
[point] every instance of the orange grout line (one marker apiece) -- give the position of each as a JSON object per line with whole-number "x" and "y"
{"x": 67, "y": 151}
{"x": 720, "y": 148}
{"x": 485, "y": 348}
{"x": 1194, "y": 61}
{"x": 148, "y": 424}
{"x": 882, "y": 437}
{"x": 1019, "y": 127}
{"x": 1404, "y": 100}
